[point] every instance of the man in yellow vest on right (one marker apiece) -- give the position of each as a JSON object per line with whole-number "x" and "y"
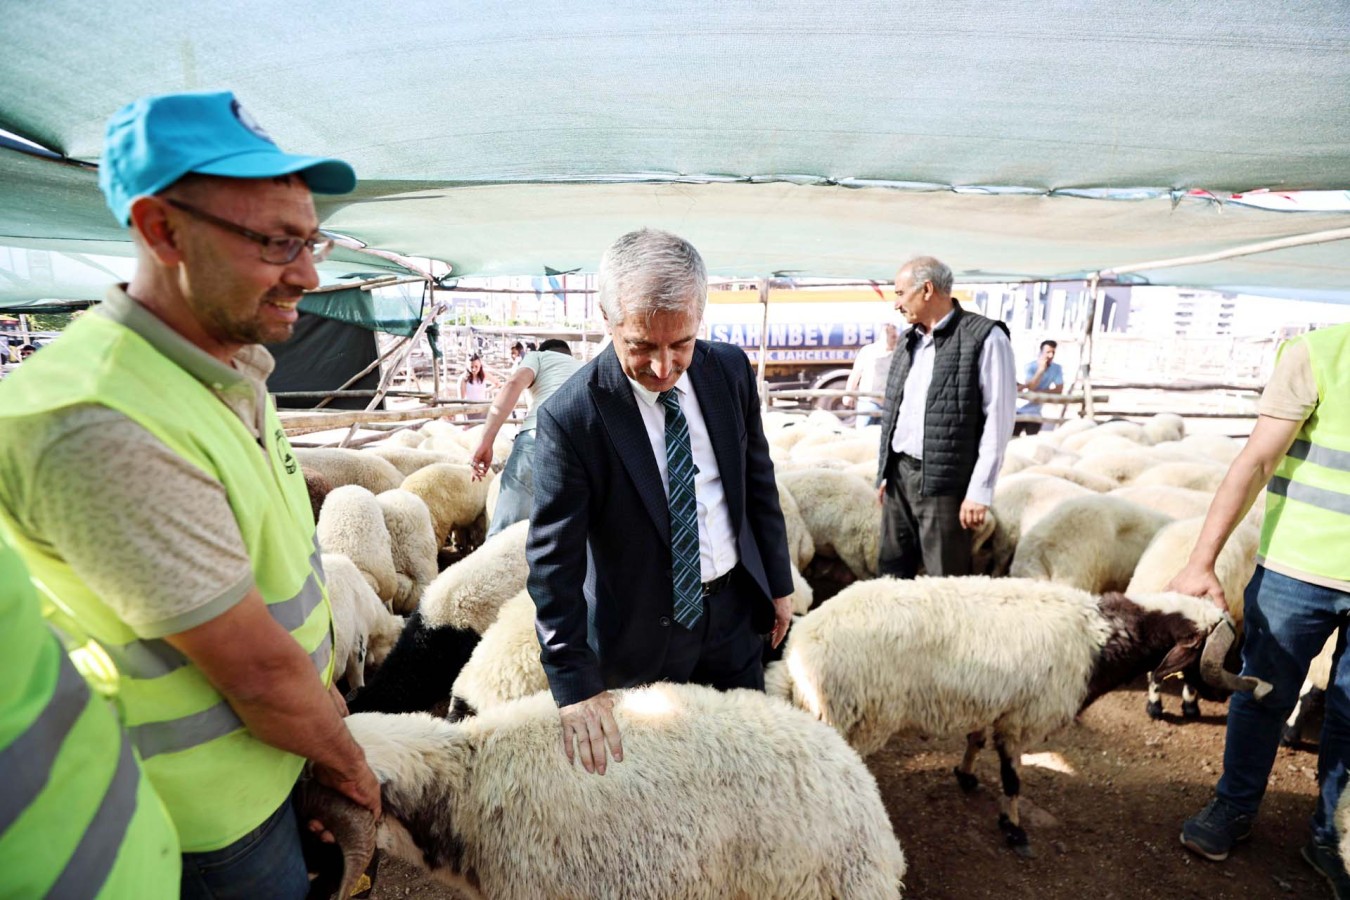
{"x": 1299, "y": 452}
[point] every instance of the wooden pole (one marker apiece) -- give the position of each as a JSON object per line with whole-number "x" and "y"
{"x": 1301, "y": 240}
{"x": 1085, "y": 361}
{"x": 764, "y": 345}
{"x": 388, "y": 379}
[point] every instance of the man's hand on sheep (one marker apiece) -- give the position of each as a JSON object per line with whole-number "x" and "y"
{"x": 482, "y": 460}
{"x": 1199, "y": 581}
{"x": 881, "y": 493}
{"x": 782, "y": 618}
{"x": 972, "y": 514}
{"x": 591, "y": 723}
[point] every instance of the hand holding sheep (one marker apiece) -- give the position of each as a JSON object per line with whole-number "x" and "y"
{"x": 592, "y": 723}
{"x": 1199, "y": 580}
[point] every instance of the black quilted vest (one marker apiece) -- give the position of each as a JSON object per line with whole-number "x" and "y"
{"x": 954, "y": 415}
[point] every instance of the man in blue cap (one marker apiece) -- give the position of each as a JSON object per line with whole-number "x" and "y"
{"x": 146, "y": 480}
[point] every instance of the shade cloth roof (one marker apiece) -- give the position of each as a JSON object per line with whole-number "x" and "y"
{"x": 821, "y": 139}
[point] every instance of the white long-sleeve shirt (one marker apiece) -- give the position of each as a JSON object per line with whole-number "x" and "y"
{"x": 998, "y": 387}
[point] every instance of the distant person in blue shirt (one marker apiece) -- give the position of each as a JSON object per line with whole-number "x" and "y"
{"x": 1045, "y": 376}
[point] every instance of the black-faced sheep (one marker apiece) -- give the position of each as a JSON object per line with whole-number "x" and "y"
{"x": 456, "y": 608}
{"x": 1166, "y": 555}
{"x": 940, "y": 656}
{"x": 718, "y": 795}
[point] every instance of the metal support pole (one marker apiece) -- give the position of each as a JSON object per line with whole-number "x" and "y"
{"x": 1085, "y": 361}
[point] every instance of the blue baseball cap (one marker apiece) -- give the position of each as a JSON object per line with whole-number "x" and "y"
{"x": 154, "y": 141}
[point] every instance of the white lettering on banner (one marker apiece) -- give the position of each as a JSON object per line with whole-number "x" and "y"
{"x": 794, "y": 335}
{"x": 783, "y": 335}
{"x": 721, "y": 334}
{"x": 812, "y": 336}
{"x": 851, "y": 334}
{"x": 738, "y": 335}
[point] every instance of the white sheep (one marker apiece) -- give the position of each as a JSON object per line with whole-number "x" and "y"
{"x": 1012, "y": 464}
{"x": 1311, "y": 695}
{"x": 1200, "y": 476}
{"x": 340, "y": 466}
{"x": 469, "y": 593}
{"x": 1092, "y": 543}
{"x": 1177, "y": 502}
{"x": 505, "y": 665}
{"x": 409, "y": 459}
{"x": 718, "y": 795}
{"x": 1093, "y": 482}
{"x": 363, "y": 630}
{"x": 1117, "y": 429}
{"x": 412, "y": 540}
{"x": 842, "y": 514}
{"x": 801, "y": 546}
{"x": 941, "y": 656}
{"x": 408, "y": 437}
{"x": 1021, "y": 501}
{"x": 848, "y": 450}
{"x": 1061, "y": 432}
{"x": 352, "y": 523}
{"x": 1121, "y": 468}
{"x": 494, "y": 490}
{"x": 1167, "y": 554}
{"x": 1216, "y": 447}
{"x": 1164, "y": 427}
{"x": 455, "y": 500}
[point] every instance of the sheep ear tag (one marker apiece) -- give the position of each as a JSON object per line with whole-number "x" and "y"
{"x": 1178, "y": 658}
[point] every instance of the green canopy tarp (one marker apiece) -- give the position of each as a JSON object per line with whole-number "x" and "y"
{"x": 823, "y": 139}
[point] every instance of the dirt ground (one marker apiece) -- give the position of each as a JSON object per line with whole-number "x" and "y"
{"x": 1103, "y": 806}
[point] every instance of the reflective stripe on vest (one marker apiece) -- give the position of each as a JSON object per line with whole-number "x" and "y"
{"x": 77, "y": 816}
{"x": 1307, "y": 521}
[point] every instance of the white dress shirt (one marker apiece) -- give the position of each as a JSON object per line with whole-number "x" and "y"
{"x": 716, "y": 538}
{"x": 998, "y": 386}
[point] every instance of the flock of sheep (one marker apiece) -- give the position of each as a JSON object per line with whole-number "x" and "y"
{"x": 745, "y": 794}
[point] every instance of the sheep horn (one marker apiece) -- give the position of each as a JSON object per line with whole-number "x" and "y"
{"x": 1217, "y": 645}
{"x": 351, "y": 824}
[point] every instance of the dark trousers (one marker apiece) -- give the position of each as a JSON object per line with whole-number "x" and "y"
{"x": 1027, "y": 428}
{"x": 722, "y": 650}
{"x": 917, "y": 529}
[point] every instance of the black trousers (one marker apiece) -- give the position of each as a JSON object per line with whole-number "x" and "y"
{"x": 722, "y": 650}
{"x": 918, "y": 530}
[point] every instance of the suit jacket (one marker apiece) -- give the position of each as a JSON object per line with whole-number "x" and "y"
{"x": 598, "y": 492}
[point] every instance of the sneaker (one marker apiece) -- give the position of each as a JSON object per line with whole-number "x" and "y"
{"x": 1215, "y": 829}
{"x": 1327, "y": 861}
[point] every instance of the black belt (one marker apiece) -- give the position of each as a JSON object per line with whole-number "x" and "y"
{"x": 712, "y": 587}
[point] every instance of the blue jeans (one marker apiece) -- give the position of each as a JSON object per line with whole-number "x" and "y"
{"x": 517, "y": 490}
{"x": 1287, "y": 622}
{"x": 266, "y": 862}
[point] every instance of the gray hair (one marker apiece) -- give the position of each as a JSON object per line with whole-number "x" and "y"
{"x": 928, "y": 268}
{"x": 650, "y": 271}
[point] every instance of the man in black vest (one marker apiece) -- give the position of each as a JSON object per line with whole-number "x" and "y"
{"x": 950, "y": 397}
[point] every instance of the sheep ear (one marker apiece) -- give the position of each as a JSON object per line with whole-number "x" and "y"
{"x": 1179, "y": 657}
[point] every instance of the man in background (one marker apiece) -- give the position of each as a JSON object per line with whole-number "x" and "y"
{"x": 949, "y": 414}
{"x": 1045, "y": 376}
{"x": 870, "y": 367}
{"x": 540, "y": 373}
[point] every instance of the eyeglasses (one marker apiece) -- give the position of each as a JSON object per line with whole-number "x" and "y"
{"x": 279, "y": 251}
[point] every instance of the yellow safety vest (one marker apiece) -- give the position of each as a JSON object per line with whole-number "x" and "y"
{"x": 77, "y": 816}
{"x": 1307, "y": 522}
{"x": 218, "y": 781}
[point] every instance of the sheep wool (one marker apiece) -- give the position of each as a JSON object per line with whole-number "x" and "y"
{"x": 352, "y": 523}
{"x": 1090, "y": 480}
{"x": 1200, "y": 476}
{"x": 801, "y": 547}
{"x": 469, "y": 594}
{"x": 363, "y": 630}
{"x": 1092, "y": 543}
{"x": 412, "y": 540}
{"x": 340, "y": 466}
{"x": 718, "y": 795}
{"x": 450, "y": 493}
{"x": 1020, "y": 501}
{"x": 1164, "y": 427}
{"x": 842, "y": 514}
{"x": 1171, "y": 547}
{"x": 408, "y": 459}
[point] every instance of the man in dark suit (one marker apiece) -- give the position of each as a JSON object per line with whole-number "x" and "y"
{"x": 651, "y": 461}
